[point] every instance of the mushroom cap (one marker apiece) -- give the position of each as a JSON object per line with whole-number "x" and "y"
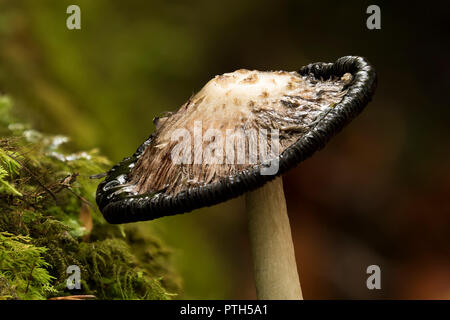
{"x": 306, "y": 108}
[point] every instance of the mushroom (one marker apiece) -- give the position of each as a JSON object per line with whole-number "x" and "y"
{"x": 237, "y": 136}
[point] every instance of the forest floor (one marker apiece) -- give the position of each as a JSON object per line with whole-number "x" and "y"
{"x": 51, "y": 232}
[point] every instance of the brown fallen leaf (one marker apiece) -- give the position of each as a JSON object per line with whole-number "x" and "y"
{"x": 86, "y": 218}
{"x": 75, "y": 297}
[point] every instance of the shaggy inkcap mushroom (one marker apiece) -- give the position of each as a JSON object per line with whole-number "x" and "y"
{"x": 196, "y": 157}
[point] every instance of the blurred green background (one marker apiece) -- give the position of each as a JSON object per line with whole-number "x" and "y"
{"x": 377, "y": 194}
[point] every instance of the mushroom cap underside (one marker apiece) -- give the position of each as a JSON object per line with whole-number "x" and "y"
{"x": 295, "y": 113}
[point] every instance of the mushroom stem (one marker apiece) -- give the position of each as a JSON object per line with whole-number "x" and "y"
{"x": 275, "y": 269}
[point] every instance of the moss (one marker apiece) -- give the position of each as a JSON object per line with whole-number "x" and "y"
{"x": 49, "y": 221}
{"x": 23, "y": 268}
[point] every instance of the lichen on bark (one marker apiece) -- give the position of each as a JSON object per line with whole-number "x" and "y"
{"x": 49, "y": 221}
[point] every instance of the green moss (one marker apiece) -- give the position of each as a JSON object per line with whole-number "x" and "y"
{"x": 49, "y": 221}
{"x": 23, "y": 268}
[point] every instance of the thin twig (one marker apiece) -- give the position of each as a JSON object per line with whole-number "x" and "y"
{"x": 34, "y": 176}
{"x": 30, "y": 277}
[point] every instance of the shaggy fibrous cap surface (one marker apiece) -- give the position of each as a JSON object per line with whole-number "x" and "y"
{"x": 214, "y": 146}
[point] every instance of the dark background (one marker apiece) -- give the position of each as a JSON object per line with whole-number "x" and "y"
{"x": 377, "y": 194}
